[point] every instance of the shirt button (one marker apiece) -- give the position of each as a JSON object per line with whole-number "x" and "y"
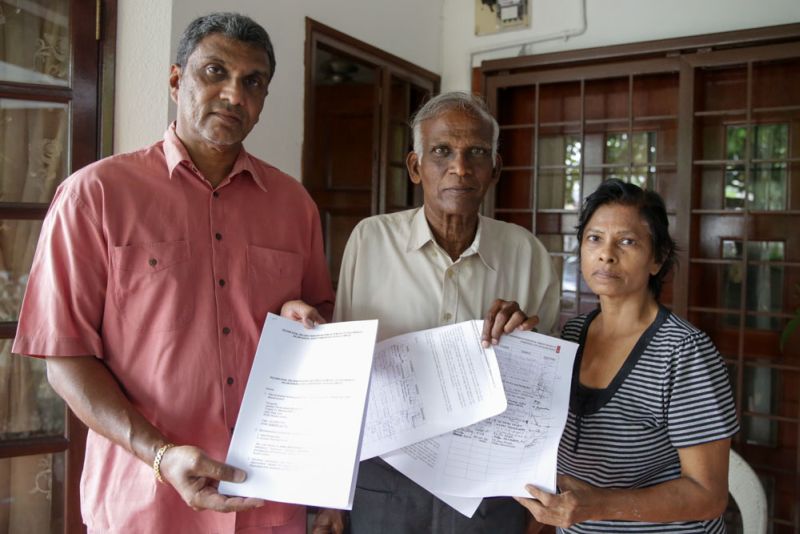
{"x": 447, "y": 316}
{"x": 215, "y": 194}
{"x": 226, "y": 330}
{"x": 450, "y": 273}
{"x": 152, "y": 262}
{"x": 218, "y": 236}
{"x": 221, "y": 282}
{"x": 230, "y": 380}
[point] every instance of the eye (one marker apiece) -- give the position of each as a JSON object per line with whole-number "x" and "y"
{"x": 627, "y": 241}
{"x": 479, "y": 151}
{"x": 591, "y": 238}
{"x": 214, "y": 70}
{"x": 440, "y": 150}
{"x": 254, "y": 81}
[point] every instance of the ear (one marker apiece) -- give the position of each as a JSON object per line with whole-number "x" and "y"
{"x": 655, "y": 267}
{"x": 412, "y": 164}
{"x": 174, "y": 81}
{"x": 498, "y": 166}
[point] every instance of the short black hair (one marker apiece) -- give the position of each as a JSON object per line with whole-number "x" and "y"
{"x": 231, "y": 25}
{"x": 651, "y": 208}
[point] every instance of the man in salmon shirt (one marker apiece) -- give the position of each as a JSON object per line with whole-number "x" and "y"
{"x": 152, "y": 279}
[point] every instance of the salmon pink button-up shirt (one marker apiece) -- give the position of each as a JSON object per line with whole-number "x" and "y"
{"x": 142, "y": 264}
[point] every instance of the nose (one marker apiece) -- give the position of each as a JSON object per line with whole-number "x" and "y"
{"x": 460, "y": 163}
{"x": 233, "y": 92}
{"x": 606, "y": 253}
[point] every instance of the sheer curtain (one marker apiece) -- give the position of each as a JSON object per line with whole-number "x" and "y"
{"x": 34, "y": 48}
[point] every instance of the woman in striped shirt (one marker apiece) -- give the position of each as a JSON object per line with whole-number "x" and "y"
{"x": 651, "y": 414}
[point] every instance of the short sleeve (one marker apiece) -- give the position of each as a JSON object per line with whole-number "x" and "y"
{"x": 62, "y": 310}
{"x": 698, "y": 398}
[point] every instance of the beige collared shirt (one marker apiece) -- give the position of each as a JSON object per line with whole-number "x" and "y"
{"x": 393, "y": 270}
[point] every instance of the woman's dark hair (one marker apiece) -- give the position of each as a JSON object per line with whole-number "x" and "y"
{"x": 651, "y": 208}
{"x": 231, "y": 25}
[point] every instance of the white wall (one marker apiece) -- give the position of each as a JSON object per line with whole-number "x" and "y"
{"x": 410, "y": 29}
{"x": 142, "y": 67}
{"x": 610, "y": 22}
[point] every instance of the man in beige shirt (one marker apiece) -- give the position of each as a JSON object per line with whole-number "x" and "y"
{"x": 438, "y": 265}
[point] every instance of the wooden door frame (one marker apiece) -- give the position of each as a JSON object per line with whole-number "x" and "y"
{"x": 91, "y": 98}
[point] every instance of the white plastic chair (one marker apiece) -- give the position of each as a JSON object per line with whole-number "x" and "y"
{"x": 746, "y": 489}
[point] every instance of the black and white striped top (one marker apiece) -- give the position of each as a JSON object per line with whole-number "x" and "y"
{"x": 672, "y": 392}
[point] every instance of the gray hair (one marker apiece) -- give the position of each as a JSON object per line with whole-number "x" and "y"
{"x": 454, "y": 100}
{"x": 231, "y": 25}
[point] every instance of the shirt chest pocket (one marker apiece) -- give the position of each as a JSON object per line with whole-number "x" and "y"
{"x": 153, "y": 284}
{"x": 274, "y": 276}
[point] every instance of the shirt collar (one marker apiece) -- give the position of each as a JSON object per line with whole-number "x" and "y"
{"x": 175, "y": 153}
{"x": 486, "y": 245}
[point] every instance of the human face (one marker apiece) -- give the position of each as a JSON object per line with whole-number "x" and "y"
{"x": 219, "y": 92}
{"x": 617, "y": 253}
{"x": 457, "y": 167}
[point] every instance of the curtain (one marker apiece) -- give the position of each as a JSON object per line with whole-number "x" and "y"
{"x": 34, "y": 48}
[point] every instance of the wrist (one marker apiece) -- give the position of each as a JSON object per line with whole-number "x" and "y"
{"x": 158, "y": 459}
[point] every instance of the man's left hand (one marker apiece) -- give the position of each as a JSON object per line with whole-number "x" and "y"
{"x": 195, "y": 476}
{"x": 504, "y": 317}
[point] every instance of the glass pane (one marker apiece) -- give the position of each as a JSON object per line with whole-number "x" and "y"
{"x": 35, "y": 42}
{"x": 34, "y": 142}
{"x": 559, "y": 189}
{"x": 734, "y": 187}
{"x": 31, "y": 493}
{"x": 765, "y": 282}
{"x": 17, "y": 245}
{"x": 767, "y": 188}
{"x": 398, "y": 188}
{"x": 398, "y": 144}
{"x": 642, "y": 149}
{"x": 33, "y": 408}
{"x": 760, "y": 395}
{"x": 771, "y": 141}
{"x": 557, "y": 150}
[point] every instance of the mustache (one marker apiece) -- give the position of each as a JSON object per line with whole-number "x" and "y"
{"x": 228, "y": 108}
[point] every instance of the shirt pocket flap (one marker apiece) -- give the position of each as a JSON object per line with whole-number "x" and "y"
{"x": 151, "y": 257}
{"x": 276, "y": 263}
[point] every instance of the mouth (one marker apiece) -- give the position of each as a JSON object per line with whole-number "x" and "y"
{"x": 605, "y": 275}
{"x": 228, "y": 117}
{"x": 459, "y": 190}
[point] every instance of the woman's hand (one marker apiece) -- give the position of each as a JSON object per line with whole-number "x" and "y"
{"x": 573, "y": 505}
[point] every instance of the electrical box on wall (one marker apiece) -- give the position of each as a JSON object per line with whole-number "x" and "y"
{"x": 493, "y": 16}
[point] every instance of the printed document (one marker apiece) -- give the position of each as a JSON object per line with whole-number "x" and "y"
{"x": 300, "y": 425}
{"x": 428, "y": 383}
{"x": 500, "y": 455}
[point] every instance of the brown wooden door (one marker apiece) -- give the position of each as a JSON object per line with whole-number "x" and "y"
{"x": 52, "y": 67}
{"x": 358, "y": 103}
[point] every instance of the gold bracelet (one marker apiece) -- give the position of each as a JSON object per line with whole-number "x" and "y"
{"x": 157, "y": 460}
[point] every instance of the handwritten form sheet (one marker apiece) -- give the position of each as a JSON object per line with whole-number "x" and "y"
{"x": 428, "y": 383}
{"x": 500, "y": 455}
{"x": 299, "y": 428}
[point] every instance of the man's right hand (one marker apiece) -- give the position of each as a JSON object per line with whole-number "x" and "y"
{"x": 195, "y": 476}
{"x": 328, "y": 521}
